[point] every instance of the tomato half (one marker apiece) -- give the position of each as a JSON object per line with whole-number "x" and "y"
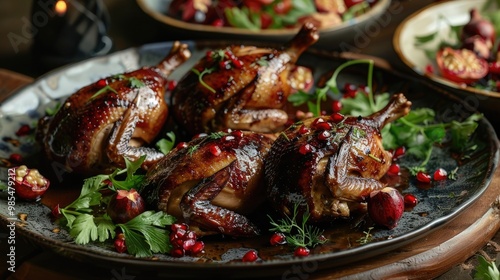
{"x": 461, "y": 66}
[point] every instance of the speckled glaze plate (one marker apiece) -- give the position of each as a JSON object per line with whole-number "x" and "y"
{"x": 438, "y": 204}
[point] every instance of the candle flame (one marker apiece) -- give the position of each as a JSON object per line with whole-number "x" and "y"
{"x": 61, "y": 7}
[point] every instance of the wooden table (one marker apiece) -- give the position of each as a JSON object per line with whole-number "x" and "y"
{"x": 426, "y": 258}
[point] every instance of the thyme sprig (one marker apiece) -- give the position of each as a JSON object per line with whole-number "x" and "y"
{"x": 298, "y": 233}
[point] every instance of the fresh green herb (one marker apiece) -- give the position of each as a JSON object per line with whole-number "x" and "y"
{"x": 52, "y": 111}
{"x": 367, "y": 238}
{"x": 102, "y": 90}
{"x": 263, "y": 61}
{"x": 331, "y": 85}
{"x": 486, "y": 270}
{"x": 165, "y": 145}
{"x": 144, "y": 234}
{"x": 136, "y": 83}
{"x": 355, "y": 10}
{"x": 298, "y": 233}
{"x": 203, "y": 73}
{"x": 211, "y": 136}
{"x": 243, "y": 18}
{"x": 453, "y": 174}
{"x": 434, "y": 41}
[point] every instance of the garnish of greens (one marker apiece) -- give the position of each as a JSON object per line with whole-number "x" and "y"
{"x": 418, "y": 131}
{"x": 486, "y": 270}
{"x": 165, "y": 145}
{"x": 133, "y": 83}
{"x": 144, "y": 234}
{"x": 297, "y": 232}
{"x": 211, "y": 136}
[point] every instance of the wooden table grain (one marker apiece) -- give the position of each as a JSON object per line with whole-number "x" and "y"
{"x": 425, "y": 258}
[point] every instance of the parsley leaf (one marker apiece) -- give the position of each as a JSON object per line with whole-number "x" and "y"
{"x": 486, "y": 270}
{"x": 165, "y": 145}
{"x": 145, "y": 234}
{"x": 203, "y": 73}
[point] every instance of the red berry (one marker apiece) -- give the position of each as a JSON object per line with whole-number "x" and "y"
{"x": 410, "y": 200}
{"x": 177, "y": 252}
{"x": 15, "y": 158}
{"x": 423, "y": 177}
{"x": 336, "y": 106}
{"x": 440, "y": 174}
{"x": 215, "y": 150}
{"x": 301, "y": 252}
{"x": 305, "y": 149}
{"x": 277, "y": 238}
{"x": 303, "y": 129}
{"x": 398, "y": 153}
{"x": 182, "y": 145}
{"x": 324, "y": 135}
{"x": 218, "y": 22}
{"x": 119, "y": 243}
{"x": 176, "y": 226}
{"x": 171, "y": 85}
{"x": 237, "y": 63}
{"x": 23, "y": 130}
{"x": 197, "y": 247}
{"x": 316, "y": 122}
{"x": 188, "y": 244}
{"x": 349, "y": 87}
{"x": 393, "y": 169}
{"x": 237, "y": 133}
{"x": 323, "y": 126}
{"x": 337, "y": 117}
{"x": 102, "y": 83}
{"x": 250, "y": 256}
{"x": 429, "y": 69}
{"x": 225, "y": 64}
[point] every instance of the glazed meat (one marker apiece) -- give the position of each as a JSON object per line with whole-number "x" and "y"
{"x": 330, "y": 164}
{"x": 211, "y": 182}
{"x": 239, "y": 87}
{"x": 112, "y": 118}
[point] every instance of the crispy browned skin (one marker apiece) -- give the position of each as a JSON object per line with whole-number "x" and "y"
{"x": 92, "y": 131}
{"x": 211, "y": 193}
{"x": 338, "y": 173}
{"x": 247, "y": 98}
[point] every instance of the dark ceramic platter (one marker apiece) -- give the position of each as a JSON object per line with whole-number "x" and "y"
{"x": 438, "y": 204}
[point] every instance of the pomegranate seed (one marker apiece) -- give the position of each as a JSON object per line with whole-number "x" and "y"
{"x": 336, "y": 106}
{"x": 119, "y": 243}
{"x": 303, "y": 129}
{"x": 305, "y": 149}
{"x": 190, "y": 235}
{"x": 440, "y": 174}
{"x": 199, "y": 135}
{"x": 182, "y": 145}
{"x": 398, "y": 153}
{"x": 171, "y": 85}
{"x": 301, "y": 252}
{"x": 393, "y": 169}
{"x": 178, "y": 243}
{"x": 324, "y": 135}
{"x": 410, "y": 200}
{"x": 277, "y": 238}
{"x": 323, "y": 126}
{"x": 364, "y": 89}
{"x": 250, "y": 256}
{"x": 177, "y": 252}
{"x": 337, "y": 117}
{"x": 102, "y": 83}
{"x": 317, "y": 121}
{"x": 215, "y": 150}
{"x": 423, "y": 177}
{"x": 56, "y": 211}
{"x": 237, "y": 133}
{"x": 23, "y": 130}
{"x": 429, "y": 69}
{"x": 176, "y": 226}
{"x": 197, "y": 247}
{"x": 226, "y": 64}
{"x": 237, "y": 63}
{"x": 15, "y": 158}
{"x": 218, "y": 22}
{"x": 209, "y": 54}
{"x": 350, "y": 87}
{"x": 188, "y": 244}
{"x": 179, "y": 233}
{"x": 228, "y": 138}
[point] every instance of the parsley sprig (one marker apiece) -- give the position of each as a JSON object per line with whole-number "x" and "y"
{"x": 211, "y": 136}
{"x": 419, "y": 131}
{"x": 144, "y": 235}
{"x": 298, "y": 233}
